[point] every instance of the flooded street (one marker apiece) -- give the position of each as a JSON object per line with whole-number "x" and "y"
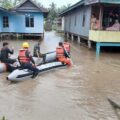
{"x": 76, "y": 93}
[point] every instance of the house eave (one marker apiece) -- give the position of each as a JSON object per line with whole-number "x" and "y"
{"x": 80, "y": 3}
{"x": 85, "y": 2}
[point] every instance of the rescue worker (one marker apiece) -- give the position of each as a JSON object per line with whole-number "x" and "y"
{"x": 4, "y": 56}
{"x": 66, "y": 46}
{"x": 26, "y": 59}
{"x": 37, "y": 53}
{"x": 62, "y": 55}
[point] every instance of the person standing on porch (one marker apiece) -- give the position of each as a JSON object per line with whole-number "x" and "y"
{"x": 93, "y": 22}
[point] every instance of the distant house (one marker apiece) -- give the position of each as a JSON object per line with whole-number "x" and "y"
{"x": 58, "y": 24}
{"x": 27, "y": 19}
{"x": 97, "y": 21}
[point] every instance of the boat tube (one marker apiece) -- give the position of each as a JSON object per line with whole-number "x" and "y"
{"x": 49, "y": 57}
{"x": 3, "y": 67}
{"x": 25, "y": 74}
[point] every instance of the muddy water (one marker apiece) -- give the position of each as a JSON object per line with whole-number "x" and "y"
{"x": 77, "y": 93}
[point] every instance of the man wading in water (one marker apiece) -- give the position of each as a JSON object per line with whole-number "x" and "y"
{"x": 37, "y": 53}
{"x": 4, "y": 56}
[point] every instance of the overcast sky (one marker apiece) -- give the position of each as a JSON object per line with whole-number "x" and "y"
{"x": 59, "y": 3}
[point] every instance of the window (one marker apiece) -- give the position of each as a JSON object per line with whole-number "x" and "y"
{"x": 75, "y": 23}
{"x": 29, "y": 21}
{"x": 69, "y": 22}
{"x": 5, "y": 21}
{"x": 83, "y": 23}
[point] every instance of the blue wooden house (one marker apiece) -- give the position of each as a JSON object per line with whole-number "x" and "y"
{"x": 26, "y": 19}
{"x": 94, "y": 21}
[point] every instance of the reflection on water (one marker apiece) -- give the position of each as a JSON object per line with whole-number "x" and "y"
{"x": 77, "y": 93}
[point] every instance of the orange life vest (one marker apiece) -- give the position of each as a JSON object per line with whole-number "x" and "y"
{"x": 60, "y": 52}
{"x": 22, "y": 56}
{"x": 66, "y": 46}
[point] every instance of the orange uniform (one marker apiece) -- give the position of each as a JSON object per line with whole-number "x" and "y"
{"x": 22, "y": 56}
{"x": 61, "y": 57}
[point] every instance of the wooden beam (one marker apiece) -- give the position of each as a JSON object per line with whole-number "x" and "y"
{"x": 101, "y": 16}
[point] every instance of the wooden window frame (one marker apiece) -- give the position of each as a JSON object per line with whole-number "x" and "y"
{"x": 75, "y": 22}
{"x": 5, "y": 22}
{"x": 84, "y": 20}
{"x": 69, "y": 22}
{"x": 29, "y": 21}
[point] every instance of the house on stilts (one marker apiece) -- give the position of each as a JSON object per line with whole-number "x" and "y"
{"x": 26, "y": 19}
{"x": 97, "y": 21}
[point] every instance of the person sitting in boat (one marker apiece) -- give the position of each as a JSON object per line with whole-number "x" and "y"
{"x": 26, "y": 59}
{"x": 62, "y": 54}
{"x": 4, "y": 56}
{"x": 37, "y": 53}
{"x": 66, "y": 46}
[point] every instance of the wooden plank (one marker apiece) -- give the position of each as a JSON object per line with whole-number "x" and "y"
{"x": 104, "y": 36}
{"x": 101, "y": 16}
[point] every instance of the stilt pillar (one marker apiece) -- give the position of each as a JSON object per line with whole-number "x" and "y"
{"x": 79, "y": 39}
{"x": 72, "y": 37}
{"x": 43, "y": 36}
{"x": 97, "y": 49}
{"x": 89, "y": 44}
{"x": 17, "y": 36}
{"x": 67, "y": 36}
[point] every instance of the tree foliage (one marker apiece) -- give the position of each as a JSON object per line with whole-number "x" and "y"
{"x": 16, "y": 2}
{"x": 6, "y": 4}
{"x": 9, "y": 3}
{"x": 54, "y": 11}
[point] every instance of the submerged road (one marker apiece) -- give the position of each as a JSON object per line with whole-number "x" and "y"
{"x": 76, "y": 93}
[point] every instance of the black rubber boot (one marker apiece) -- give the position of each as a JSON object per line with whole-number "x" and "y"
{"x": 35, "y": 75}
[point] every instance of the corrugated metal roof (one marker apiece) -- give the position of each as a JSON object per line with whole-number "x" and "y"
{"x": 110, "y": 1}
{"x": 40, "y": 8}
{"x": 88, "y": 2}
{"x": 83, "y": 2}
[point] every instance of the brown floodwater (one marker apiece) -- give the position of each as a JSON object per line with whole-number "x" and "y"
{"x": 76, "y": 93}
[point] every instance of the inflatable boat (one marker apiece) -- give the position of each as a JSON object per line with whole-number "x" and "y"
{"x": 25, "y": 74}
{"x": 3, "y": 67}
{"x": 49, "y": 57}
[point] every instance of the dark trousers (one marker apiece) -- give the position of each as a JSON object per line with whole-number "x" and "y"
{"x": 8, "y": 61}
{"x": 42, "y": 56}
{"x": 30, "y": 67}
